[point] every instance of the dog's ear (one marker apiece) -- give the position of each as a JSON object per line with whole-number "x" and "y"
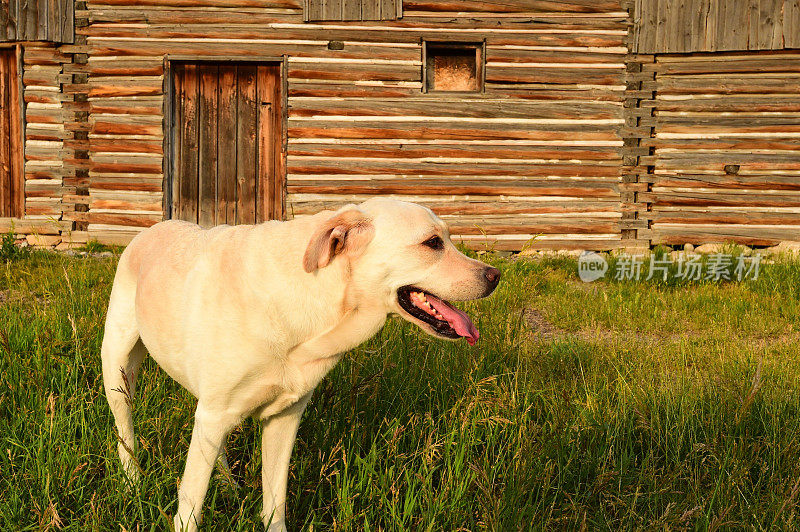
{"x": 348, "y": 231}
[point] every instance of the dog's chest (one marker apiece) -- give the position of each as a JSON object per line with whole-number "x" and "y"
{"x": 296, "y": 384}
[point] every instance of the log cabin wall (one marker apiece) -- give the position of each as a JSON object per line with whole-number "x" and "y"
{"x": 718, "y": 144}
{"x": 45, "y": 132}
{"x": 726, "y": 148}
{"x": 40, "y": 31}
{"x": 53, "y": 162}
{"x": 584, "y": 132}
{"x": 536, "y": 153}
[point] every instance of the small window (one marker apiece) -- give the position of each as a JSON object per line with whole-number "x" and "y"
{"x": 453, "y": 67}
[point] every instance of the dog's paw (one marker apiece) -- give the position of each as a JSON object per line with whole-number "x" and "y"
{"x": 130, "y": 465}
{"x": 133, "y": 476}
{"x": 277, "y": 527}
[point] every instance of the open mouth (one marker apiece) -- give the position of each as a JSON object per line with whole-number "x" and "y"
{"x": 442, "y": 317}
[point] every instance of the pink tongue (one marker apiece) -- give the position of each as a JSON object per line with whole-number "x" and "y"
{"x": 458, "y": 320}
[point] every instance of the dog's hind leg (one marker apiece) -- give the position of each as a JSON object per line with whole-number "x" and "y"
{"x": 122, "y": 354}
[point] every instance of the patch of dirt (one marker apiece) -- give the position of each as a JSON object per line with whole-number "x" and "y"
{"x": 540, "y": 326}
{"x": 5, "y": 295}
{"x": 15, "y": 296}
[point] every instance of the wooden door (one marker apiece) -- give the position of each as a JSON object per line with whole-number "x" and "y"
{"x": 226, "y": 143}
{"x": 11, "y": 178}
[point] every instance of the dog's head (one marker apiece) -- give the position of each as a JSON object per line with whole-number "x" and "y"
{"x": 401, "y": 253}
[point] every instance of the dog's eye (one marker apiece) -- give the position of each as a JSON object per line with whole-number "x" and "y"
{"x": 434, "y": 242}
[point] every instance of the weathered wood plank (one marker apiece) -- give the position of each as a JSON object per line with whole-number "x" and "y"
{"x": 50, "y": 27}
{"x": 791, "y": 23}
{"x": 176, "y": 140}
{"x": 378, "y": 150}
{"x": 456, "y": 205}
{"x": 738, "y": 31}
{"x": 699, "y": 234}
{"x": 448, "y": 187}
{"x": 680, "y": 26}
{"x": 14, "y": 203}
{"x": 443, "y": 131}
{"x": 226, "y": 160}
{"x": 247, "y": 148}
{"x": 313, "y": 10}
{"x": 28, "y": 22}
{"x": 8, "y": 21}
{"x": 777, "y": 26}
{"x": 37, "y": 20}
{"x": 391, "y": 9}
{"x": 332, "y": 10}
{"x": 6, "y": 202}
{"x": 207, "y": 122}
{"x": 189, "y": 148}
{"x": 269, "y": 117}
{"x": 453, "y": 107}
{"x": 753, "y": 15}
{"x": 68, "y": 21}
{"x": 351, "y": 9}
{"x": 370, "y": 10}
{"x": 511, "y": 6}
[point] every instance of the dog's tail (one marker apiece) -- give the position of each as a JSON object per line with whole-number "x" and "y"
{"x": 122, "y": 354}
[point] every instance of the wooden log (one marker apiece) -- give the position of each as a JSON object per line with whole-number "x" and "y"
{"x": 450, "y": 151}
{"x": 455, "y": 205}
{"x": 511, "y": 6}
{"x": 430, "y": 187}
{"x": 744, "y": 234}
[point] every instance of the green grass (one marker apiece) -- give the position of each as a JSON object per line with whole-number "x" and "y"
{"x": 93, "y": 246}
{"x": 631, "y": 406}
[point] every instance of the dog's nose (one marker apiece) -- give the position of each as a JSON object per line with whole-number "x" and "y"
{"x": 492, "y": 275}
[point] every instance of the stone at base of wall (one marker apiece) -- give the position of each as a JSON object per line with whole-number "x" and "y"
{"x": 539, "y": 253}
{"x": 70, "y": 240}
{"x": 43, "y": 241}
{"x": 63, "y": 246}
{"x": 709, "y": 249}
{"x": 792, "y": 248}
{"x": 75, "y": 237}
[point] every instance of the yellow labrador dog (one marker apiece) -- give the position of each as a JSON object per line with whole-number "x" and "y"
{"x": 249, "y": 319}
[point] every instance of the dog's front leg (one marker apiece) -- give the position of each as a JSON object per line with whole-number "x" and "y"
{"x": 277, "y": 440}
{"x": 208, "y": 440}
